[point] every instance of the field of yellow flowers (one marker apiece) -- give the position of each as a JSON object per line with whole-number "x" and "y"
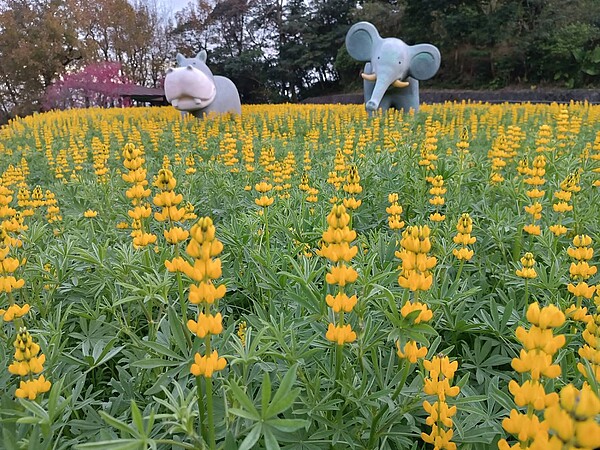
{"x": 302, "y": 277}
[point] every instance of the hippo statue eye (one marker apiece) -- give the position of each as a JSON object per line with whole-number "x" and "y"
{"x": 399, "y": 62}
{"x": 379, "y": 57}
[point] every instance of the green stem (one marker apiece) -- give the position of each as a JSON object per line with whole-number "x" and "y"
{"x": 460, "y": 269}
{"x": 209, "y": 401}
{"x": 211, "y": 421}
{"x": 267, "y": 231}
{"x": 338, "y": 360}
{"x": 526, "y": 296}
{"x": 182, "y": 302}
{"x": 201, "y": 412}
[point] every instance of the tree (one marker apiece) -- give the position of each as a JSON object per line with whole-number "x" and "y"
{"x": 98, "y": 84}
{"x": 38, "y": 40}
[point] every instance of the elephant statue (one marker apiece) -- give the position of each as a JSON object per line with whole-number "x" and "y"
{"x": 393, "y": 69}
{"x": 193, "y": 88}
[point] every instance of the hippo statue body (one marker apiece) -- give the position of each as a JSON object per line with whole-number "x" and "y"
{"x": 193, "y": 88}
{"x": 393, "y": 68}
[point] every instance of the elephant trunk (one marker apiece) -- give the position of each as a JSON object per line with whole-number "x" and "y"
{"x": 381, "y": 86}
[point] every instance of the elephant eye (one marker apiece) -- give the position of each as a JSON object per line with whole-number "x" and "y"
{"x": 379, "y": 57}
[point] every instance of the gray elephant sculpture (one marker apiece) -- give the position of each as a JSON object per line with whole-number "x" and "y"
{"x": 193, "y": 88}
{"x": 393, "y": 69}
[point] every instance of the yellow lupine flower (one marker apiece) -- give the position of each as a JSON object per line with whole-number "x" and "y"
{"x": 340, "y": 334}
{"x": 411, "y": 351}
{"x": 205, "y": 366}
{"x": 14, "y": 312}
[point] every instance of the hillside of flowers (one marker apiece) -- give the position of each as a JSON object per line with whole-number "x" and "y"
{"x": 301, "y": 277}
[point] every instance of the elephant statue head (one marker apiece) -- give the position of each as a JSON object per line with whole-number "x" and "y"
{"x": 394, "y": 65}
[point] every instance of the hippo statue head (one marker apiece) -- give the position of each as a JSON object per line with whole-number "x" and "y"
{"x": 191, "y": 86}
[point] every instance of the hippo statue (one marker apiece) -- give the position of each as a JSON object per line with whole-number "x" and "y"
{"x": 193, "y": 88}
{"x": 393, "y": 69}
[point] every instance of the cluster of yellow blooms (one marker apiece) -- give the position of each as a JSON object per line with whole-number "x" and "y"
{"x": 595, "y": 156}
{"x": 169, "y": 202}
{"x": 52, "y": 209}
{"x": 581, "y": 270}
{"x": 568, "y": 186}
{"x": 133, "y": 160}
{"x": 395, "y": 222}
{"x": 437, "y": 192}
{"x": 415, "y": 271}
{"x": 572, "y": 421}
{"x": 415, "y": 274}
{"x": 8, "y": 266}
{"x": 203, "y": 247}
{"x": 352, "y": 187}
{"x": 311, "y": 193}
{"x": 535, "y": 359}
{"x": 264, "y": 200}
{"x": 429, "y": 149}
{"x": 463, "y": 145}
{"x": 498, "y": 155}
{"x": 527, "y": 271}
{"x": 411, "y": 351}
{"x": 28, "y": 361}
{"x": 464, "y": 238}
{"x": 441, "y": 372}
{"x": 337, "y": 249}
{"x": 591, "y": 349}
{"x": 535, "y": 180}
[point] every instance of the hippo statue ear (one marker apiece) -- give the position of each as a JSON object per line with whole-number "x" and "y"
{"x": 180, "y": 59}
{"x": 360, "y": 40}
{"x": 201, "y": 56}
{"x": 425, "y": 61}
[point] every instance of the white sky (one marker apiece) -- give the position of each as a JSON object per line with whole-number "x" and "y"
{"x": 173, "y": 5}
{"x": 168, "y": 6}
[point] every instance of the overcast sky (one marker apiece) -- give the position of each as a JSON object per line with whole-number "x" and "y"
{"x": 174, "y": 5}
{"x": 169, "y": 6}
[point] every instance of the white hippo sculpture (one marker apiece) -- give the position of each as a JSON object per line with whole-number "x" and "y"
{"x": 193, "y": 88}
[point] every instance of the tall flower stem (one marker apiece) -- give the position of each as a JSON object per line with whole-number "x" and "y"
{"x": 460, "y": 269}
{"x": 267, "y": 231}
{"x": 339, "y": 353}
{"x": 201, "y": 412}
{"x": 209, "y": 402}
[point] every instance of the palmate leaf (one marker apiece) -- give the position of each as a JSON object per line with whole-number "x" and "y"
{"x": 244, "y": 400}
{"x": 285, "y": 396}
{"x": 267, "y": 420}
{"x": 252, "y": 437}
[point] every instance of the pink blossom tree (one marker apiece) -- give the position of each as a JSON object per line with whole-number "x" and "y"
{"x": 99, "y": 84}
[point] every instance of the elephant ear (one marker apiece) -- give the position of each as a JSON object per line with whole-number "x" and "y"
{"x": 425, "y": 61}
{"x": 201, "y": 56}
{"x": 360, "y": 40}
{"x": 180, "y": 59}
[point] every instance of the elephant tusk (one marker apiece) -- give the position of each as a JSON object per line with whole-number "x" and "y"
{"x": 368, "y": 76}
{"x": 400, "y": 84}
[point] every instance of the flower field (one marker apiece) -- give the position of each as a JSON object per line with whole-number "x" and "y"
{"x": 302, "y": 277}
